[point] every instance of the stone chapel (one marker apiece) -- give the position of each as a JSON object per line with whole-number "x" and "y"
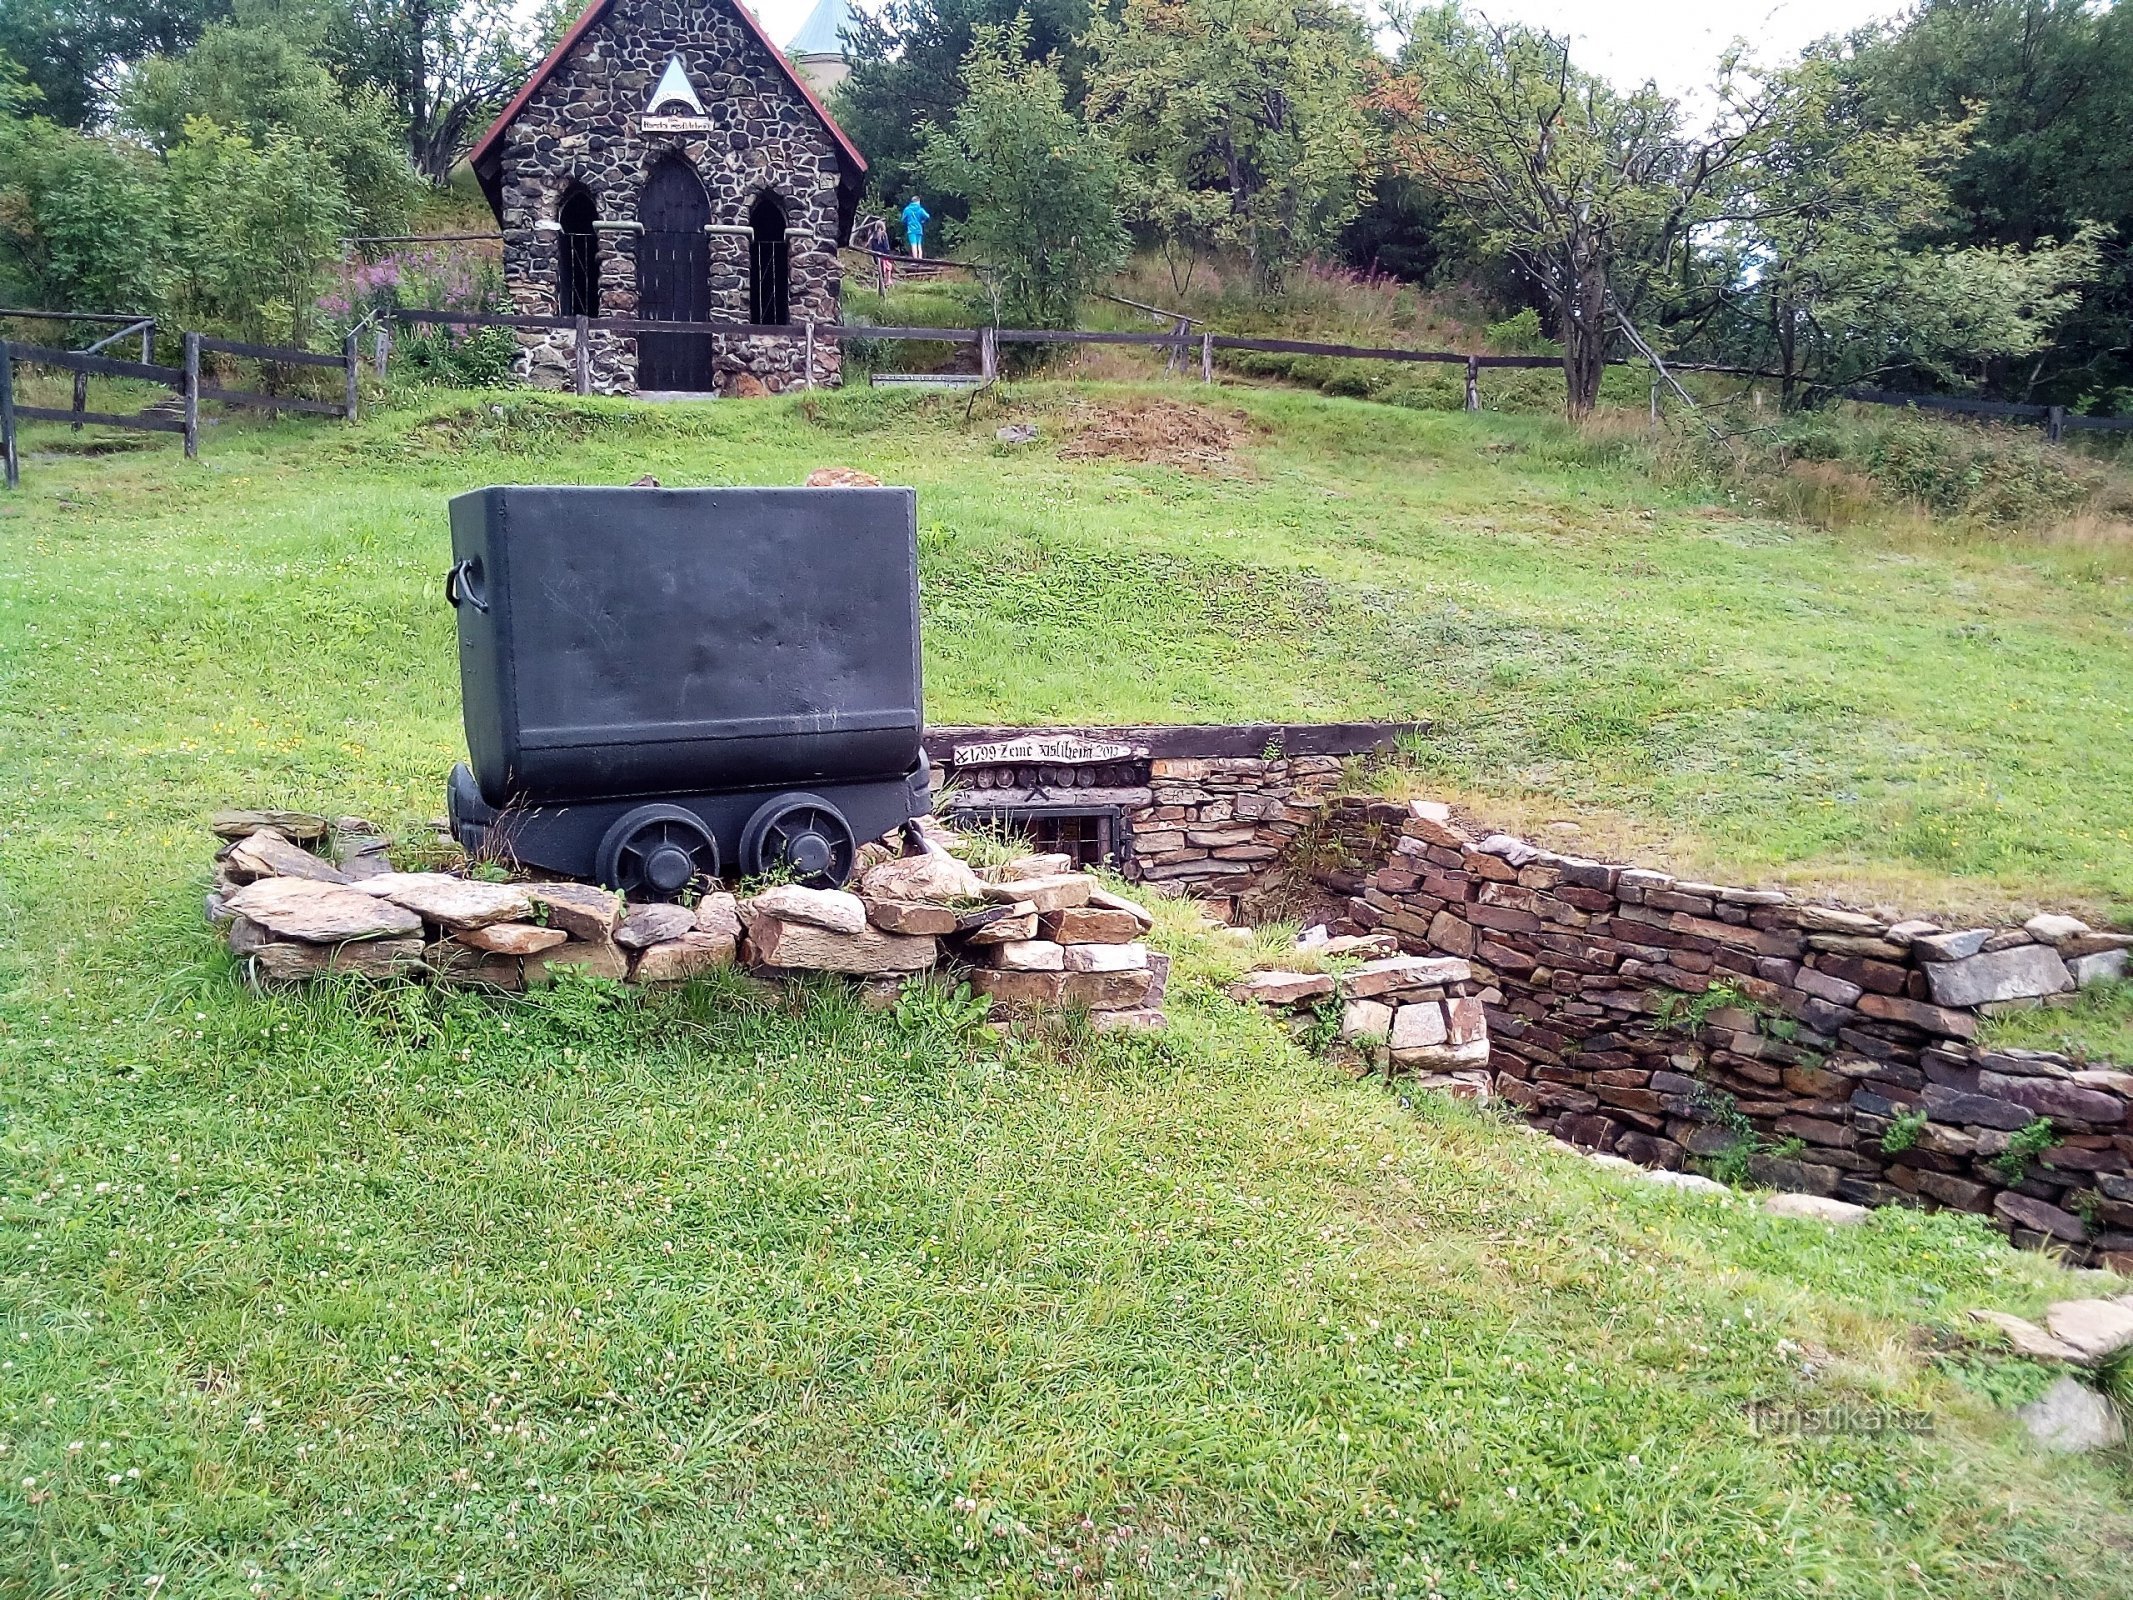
{"x": 667, "y": 162}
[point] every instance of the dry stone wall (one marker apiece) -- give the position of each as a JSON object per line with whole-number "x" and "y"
{"x": 301, "y": 898}
{"x": 1657, "y": 1018}
{"x": 1221, "y": 829}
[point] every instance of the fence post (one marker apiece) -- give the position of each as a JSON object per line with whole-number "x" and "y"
{"x": 381, "y": 347}
{"x": 1473, "y": 383}
{"x": 1655, "y": 397}
{"x": 81, "y": 398}
{"x": 810, "y": 354}
{"x": 192, "y": 396}
{"x": 2055, "y": 423}
{"x": 350, "y": 367}
{"x": 148, "y": 341}
{"x": 581, "y": 355}
{"x": 988, "y": 353}
{"x": 1207, "y": 357}
{"x": 13, "y": 467}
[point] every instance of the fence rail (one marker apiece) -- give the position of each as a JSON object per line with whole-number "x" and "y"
{"x": 2057, "y": 420}
{"x": 185, "y": 380}
{"x": 147, "y": 421}
{"x": 282, "y": 354}
{"x": 81, "y": 361}
{"x": 1181, "y": 340}
{"x": 23, "y": 315}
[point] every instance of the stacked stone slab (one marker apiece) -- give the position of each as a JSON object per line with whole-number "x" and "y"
{"x": 1047, "y": 938}
{"x": 303, "y": 899}
{"x": 1216, "y": 829}
{"x": 1639, "y": 1013}
{"x": 338, "y": 908}
{"x": 1399, "y": 1014}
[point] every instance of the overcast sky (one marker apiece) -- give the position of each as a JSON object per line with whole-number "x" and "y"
{"x": 1673, "y": 42}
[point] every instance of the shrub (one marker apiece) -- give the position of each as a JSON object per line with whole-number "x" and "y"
{"x": 1991, "y": 475}
{"x": 1830, "y": 466}
{"x": 1521, "y": 335}
{"x": 1903, "y": 1131}
{"x": 2023, "y": 1147}
{"x": 473, "y": 358}
{"x": 1042, "y": 189}
{"x": 84, "y": 222}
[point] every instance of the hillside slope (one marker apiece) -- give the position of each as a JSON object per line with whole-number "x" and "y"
{"x": 1932, "y": 718}
{"x": 392, "y": 1293}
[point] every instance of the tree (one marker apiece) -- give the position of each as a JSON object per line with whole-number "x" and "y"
{"x": 907, "y": 70}
{"x": 1040, "y": 190}
{"x": 2048, "y": 88}
{"x": 222, "y": 230}
{"x": 261, "y": 80}
{"x": 75, "y": 52}
{"x": 445, "y": 66}
{"x": 1238, "y": 123}
{"x": 253, "y": 226}
{"x": 83, "y": 220}
{"x": 1402, "y": 229}
{"x": 1837, "y": 271}
{"x": 1594, "y": 192}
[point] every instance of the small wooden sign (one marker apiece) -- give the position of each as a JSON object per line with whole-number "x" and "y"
{"x": 1059, "y": 749}
{"x": 651, "y": 123}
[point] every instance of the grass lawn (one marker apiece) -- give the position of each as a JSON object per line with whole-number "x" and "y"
{"x": 589, "y": 1295}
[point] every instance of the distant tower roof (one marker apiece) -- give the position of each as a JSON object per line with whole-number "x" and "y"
{"x": 818, "y": 35}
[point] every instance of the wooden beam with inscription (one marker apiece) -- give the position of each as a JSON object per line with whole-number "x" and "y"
{"x": 1176, "y": 741}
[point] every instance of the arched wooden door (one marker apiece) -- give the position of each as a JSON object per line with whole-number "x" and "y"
{"x": 674, "y": 278}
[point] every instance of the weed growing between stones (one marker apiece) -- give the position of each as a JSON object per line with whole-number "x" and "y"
{"x": 1685, "y": 1013}
{"x": 2024, "y": 1145}
{"x": 1902, "y": 1131}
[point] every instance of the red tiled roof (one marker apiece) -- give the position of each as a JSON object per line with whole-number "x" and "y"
{"x": 485, "y": 146}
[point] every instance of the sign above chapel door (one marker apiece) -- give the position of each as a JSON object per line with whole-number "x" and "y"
{"x": 674, "y": 90}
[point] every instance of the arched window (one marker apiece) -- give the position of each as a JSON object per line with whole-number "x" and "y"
{"x": 768, "y": 262}
{"x": 578, "y": 256}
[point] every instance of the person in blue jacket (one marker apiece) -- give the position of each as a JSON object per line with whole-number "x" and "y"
{"x": 916, "y": 216}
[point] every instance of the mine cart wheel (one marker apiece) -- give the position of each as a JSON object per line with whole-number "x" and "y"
{"x": 655, "y": 852}
{"x": 802, "y": 834}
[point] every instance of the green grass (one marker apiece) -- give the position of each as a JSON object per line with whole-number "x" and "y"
{"x": 392, "y": 1293}
{"x": 1940, "y": 720}
{"x": 2096, "y": 1025}
{"x": 370, "y": 1294}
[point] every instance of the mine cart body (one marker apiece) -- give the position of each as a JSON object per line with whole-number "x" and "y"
{"x": 705, "y": 654}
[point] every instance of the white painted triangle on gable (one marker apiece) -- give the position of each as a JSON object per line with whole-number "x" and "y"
{"x": 674, "y": 86}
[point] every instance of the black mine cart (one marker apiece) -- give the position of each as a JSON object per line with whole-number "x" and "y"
{"x": 667, "y": 684}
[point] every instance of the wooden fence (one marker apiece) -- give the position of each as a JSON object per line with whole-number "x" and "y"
{"x": 179, "y": 415}
{"x": 143, "y": 325}
{"x": 2057, "y": 420}
{"x": 1180, "y": 340}
{"x": 987, "y": 339}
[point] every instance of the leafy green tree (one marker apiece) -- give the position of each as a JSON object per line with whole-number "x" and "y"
{"x": 261, "y": 80}
{"x": 2048, "y": 88}
{"x": 254, "y": 225}
{"x": 18, "y": 96}
{"x": 907, "y": 70}
{"x": 84, "y": 222}
{"x": 1837, "y": 270}
{"x": 1596, "y": 193}
{"x": 1040, "y": 190}
{"x": 75, "y": 52}
{"x": 445, "y": 66}
{"x": 1238, "y": 124}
